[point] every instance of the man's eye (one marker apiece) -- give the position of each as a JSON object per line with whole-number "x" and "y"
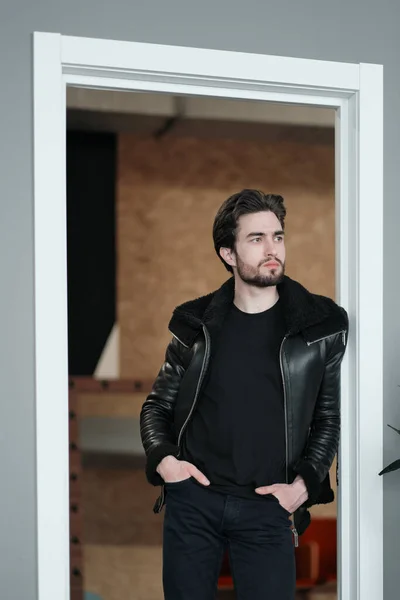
{"x": 279, "y": 238}
{"x": 256, "y": 239}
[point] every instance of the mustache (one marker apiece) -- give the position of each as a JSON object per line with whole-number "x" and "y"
{"x": 271, "y": 259}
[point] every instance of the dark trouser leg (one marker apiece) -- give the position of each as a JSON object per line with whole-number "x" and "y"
{"x": 193, "y": 545}
{"x": 261, "y": 551}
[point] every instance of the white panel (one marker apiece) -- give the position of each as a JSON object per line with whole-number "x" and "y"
{"x": 111, "y": 435}
{"x": 370, "y": 346}
{"x": 346, "y": 169}
{"x": 195, "y": 62}
{"x": 108, "y": 366}
{"x": 51, "y": 320}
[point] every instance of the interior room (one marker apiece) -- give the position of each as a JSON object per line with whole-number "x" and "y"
{"x": 145, "y": 176}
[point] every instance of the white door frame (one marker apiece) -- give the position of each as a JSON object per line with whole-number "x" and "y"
{"x": 356, "y": 92}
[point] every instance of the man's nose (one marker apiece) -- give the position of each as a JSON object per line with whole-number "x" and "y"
{"x": 270, "y": 247}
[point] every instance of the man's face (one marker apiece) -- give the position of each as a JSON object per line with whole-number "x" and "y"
{"x": 259, "y": 255}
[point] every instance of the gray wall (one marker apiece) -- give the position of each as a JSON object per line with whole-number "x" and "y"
{"x": 350, "y": 31}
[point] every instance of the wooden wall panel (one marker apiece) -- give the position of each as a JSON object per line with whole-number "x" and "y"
{"x": 168, "y": 193}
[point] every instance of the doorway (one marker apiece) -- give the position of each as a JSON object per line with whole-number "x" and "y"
{"x": 355, "y": 92}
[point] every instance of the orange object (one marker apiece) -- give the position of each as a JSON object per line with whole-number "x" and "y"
{"x": 323, "y": 532}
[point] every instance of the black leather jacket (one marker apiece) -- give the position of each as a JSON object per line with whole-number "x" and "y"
{"x": 310, "y": 357}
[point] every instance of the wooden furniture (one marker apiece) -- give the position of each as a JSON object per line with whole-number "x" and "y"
{"x": 76, "y": 557}
{"x": 101, "y": 398}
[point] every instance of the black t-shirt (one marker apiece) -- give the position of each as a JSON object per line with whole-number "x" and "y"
{"x": 236, "y": 436}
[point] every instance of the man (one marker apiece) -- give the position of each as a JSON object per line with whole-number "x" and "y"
{"x": 242, "y": 425}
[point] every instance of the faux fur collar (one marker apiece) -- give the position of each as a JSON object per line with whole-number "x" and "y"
{"x": 311, "y": 315}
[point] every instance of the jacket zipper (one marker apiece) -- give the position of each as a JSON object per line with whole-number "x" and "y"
{"x": 294, "y": 530}
{"x": 180, "y": 341}
{"x": 285, "y": 406}
{"x": 343, "y": 332}
{"x": 200, "y": 381}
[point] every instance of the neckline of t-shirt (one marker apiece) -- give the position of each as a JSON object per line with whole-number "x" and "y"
{"x": 255, "y": 315}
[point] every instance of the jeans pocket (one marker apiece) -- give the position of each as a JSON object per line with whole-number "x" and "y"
{"x": 287, "y": 513}
{"x": 176, "y": 484}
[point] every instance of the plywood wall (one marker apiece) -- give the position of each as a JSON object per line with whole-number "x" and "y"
{"x": 168, "y": 193}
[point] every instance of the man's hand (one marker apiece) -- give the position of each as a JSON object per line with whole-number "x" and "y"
{"x": 173, "y": 470}
{"x": 290, "y": 496}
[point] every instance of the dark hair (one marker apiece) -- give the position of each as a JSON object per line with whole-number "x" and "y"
{"x": 243, "y": 203}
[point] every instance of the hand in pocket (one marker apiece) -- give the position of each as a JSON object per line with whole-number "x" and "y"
{"x": 173, "y": 470}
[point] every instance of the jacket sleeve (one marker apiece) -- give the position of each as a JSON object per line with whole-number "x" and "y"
{"x": 323, "y": 440}
{"x": 157, "y": 414}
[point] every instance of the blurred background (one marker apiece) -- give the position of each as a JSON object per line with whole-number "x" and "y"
{"x": 146, "y": 174}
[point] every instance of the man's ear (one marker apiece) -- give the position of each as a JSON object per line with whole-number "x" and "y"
{"x": 229, "y": 256}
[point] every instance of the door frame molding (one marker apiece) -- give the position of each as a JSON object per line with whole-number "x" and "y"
{"x": 355, "y": 91}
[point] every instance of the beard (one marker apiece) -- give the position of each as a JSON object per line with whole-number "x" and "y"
{"x": 255, "y": 277}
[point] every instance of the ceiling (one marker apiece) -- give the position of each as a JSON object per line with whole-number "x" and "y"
{"x": 195, "y": 107}
{"x": 160, "y": 114}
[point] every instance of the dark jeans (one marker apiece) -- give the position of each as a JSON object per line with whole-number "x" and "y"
{"x": 199, "y": 524}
